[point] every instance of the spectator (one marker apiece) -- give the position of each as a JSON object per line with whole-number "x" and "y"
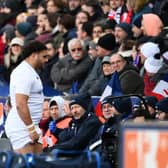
{"x": 162, "y": 109}
{"x": 114, "y": 111}
{"x": 84, "y": 32}
{"x": 83, "y": 127}
{"x": 127, "y": 75}
{"x": 109, "y": 26}
{"x": 55, "y": 6}
{"x": 23, "y": 29}
{"x": 74, "y": 6}
{"x": 13, "y": 57}
{"x": 92, "y": 50}
{"x": 98, "y": 87}
{"x": 94, "y": 10}
{"x": 97, "y": 32}
{"x": 105, "y": 46}
{"x": 152, "y": 66}
{"x": 148, "y": 49}
{"x": 136, "y": 27}
{"x": 122, "y": 32}
{"x": 45, "y": 117}
{"x": 53, "y": 58}
{"x": 81, "y": 17}
{"x": 58, "y": 121}
{"x": 116, "y": 10}
{"x": 151, "y": 25}
{"x": 71, "y": 68}
{"x": 151, "y": 102}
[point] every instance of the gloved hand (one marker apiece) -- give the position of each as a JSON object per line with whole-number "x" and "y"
{"x": 52, "y": 126}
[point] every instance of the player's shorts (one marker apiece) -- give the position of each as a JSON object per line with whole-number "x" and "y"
{"x": 18, "y": 133}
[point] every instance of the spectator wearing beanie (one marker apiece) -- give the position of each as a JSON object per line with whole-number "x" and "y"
{"x": 122, "y": 107}
{"x": 105, "y": 46}
{"x": 151, "y": 25}
{"x": 115, "y": 111}
{"x": 162, "y": 109}
{"x": 151, "y": 65}
{"x": 122, "y": 32}
{"x": 23, "y": 29}
{"x": 151, "y": 102}
{"x": 82, "y": 129}
{"x": 107, "y": 42}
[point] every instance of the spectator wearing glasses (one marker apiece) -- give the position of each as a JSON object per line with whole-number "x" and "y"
{"x": 97, "y": 31}
{"x": 131, "y": 82}
{"x": 74, "y": 67}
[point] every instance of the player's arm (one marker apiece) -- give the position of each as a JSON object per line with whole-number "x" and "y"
{"x": 23, "y": 111}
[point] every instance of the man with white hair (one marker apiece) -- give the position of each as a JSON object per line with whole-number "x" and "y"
{"x": 72, "y": 68}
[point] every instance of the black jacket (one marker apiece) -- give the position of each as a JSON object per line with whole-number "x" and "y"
{"x": 79, "y": 134}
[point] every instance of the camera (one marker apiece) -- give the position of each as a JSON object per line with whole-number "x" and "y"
{"x": 110, "y": 147}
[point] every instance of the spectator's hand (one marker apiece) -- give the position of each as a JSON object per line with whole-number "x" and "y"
{"x": 52, "y": 126}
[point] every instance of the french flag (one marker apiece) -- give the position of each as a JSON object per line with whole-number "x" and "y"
{"x": 112, "y": 89}
{"x": 161, "y": 89}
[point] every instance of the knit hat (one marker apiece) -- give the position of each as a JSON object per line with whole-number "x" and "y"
{"x": 152, "y": 65}
{"x": 162, "y": 105}
{"x": 106, "y": 100}
{"x": 106, "y": 60}
{"x": 17, "y": 41}
{"x": 123, "y": 105}
{"x": 152, "y": 24}
{"x": 107, "y": 42}
{"x": 149, "y": 49}
{"x": 151, "y": 100}
{"x": 24, "y": 28}
{"x": 136, "y": 102}
{"x": 126, "y": 27}
{"x": 80, "y": 100}
{"x": 137, "y": 21}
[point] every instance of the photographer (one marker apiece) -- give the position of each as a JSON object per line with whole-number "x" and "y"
{"x": 114, "y": 112}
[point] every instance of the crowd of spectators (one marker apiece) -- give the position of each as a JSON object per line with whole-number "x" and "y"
{"x": 87, "y": 42}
